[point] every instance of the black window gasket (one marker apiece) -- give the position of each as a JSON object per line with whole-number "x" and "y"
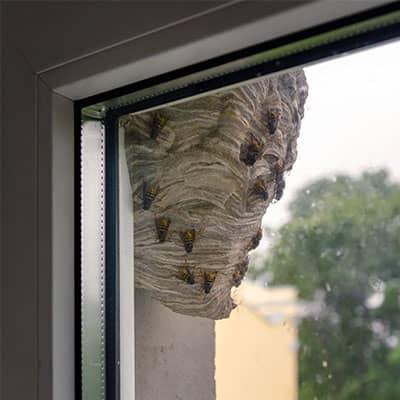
{"x": 112, "y": 326}
{"x": 317, "y": 43}
{"x": 384, "y": 30}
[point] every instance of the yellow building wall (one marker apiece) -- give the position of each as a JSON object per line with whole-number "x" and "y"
{"x": 256, "y": 359}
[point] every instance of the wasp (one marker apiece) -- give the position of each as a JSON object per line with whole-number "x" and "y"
{"x": 279, "y": 166}
{"x": 251, "y": 151}
{"x": 255, "y": 240}
{"x": 237, "y": 278}
{"x": 149, "y": 193}
{"x": 209, "y": 279}
{"x": 273, "y": 119}
{"x": 279, "y": 169}
{"x": 159, "y": 121}
{"x": 185, "y": 274}
{"x": 162, "y": 225}
{"x": 260, "y": 188}
{"x": 188, "y": 237}
{"x": 244, "y": 266}
{"x": 279, "y": 185}
{"x": 278, "y": 173}
{"x": 239, "y": 272}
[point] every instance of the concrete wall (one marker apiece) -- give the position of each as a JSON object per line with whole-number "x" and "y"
{"x": 19, "y": 227}
{"x": 174, "y": 353}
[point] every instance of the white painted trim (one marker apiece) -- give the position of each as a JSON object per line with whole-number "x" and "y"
{"x": 62, "y": 249}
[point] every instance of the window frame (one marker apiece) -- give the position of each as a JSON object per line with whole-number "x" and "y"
{"x": 110, "y": 119}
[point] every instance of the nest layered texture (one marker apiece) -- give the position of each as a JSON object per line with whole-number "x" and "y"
{"x": 202, "y": 174}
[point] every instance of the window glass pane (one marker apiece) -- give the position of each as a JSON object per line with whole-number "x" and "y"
{"x": 197, "y": 176}
{"x": 316, "y": 315}
{"x": 175, "y": 232}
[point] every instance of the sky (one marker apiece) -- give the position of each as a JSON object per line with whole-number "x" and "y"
{"x": 351, "y": 122}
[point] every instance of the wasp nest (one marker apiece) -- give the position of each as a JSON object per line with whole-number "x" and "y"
{"x": 203, "y": 173}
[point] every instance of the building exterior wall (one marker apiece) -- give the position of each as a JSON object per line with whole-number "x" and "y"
{"x": 256, "y": 359}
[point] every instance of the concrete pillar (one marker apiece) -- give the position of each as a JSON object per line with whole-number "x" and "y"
{"x": 174, "y": 353}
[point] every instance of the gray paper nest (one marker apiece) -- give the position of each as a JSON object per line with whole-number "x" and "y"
{"x": 203, "y": 173}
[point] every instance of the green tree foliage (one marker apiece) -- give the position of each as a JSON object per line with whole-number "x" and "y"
{"x": 342, "y": 246}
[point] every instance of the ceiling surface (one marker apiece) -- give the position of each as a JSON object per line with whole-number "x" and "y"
{"x": 80, "y": 28}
